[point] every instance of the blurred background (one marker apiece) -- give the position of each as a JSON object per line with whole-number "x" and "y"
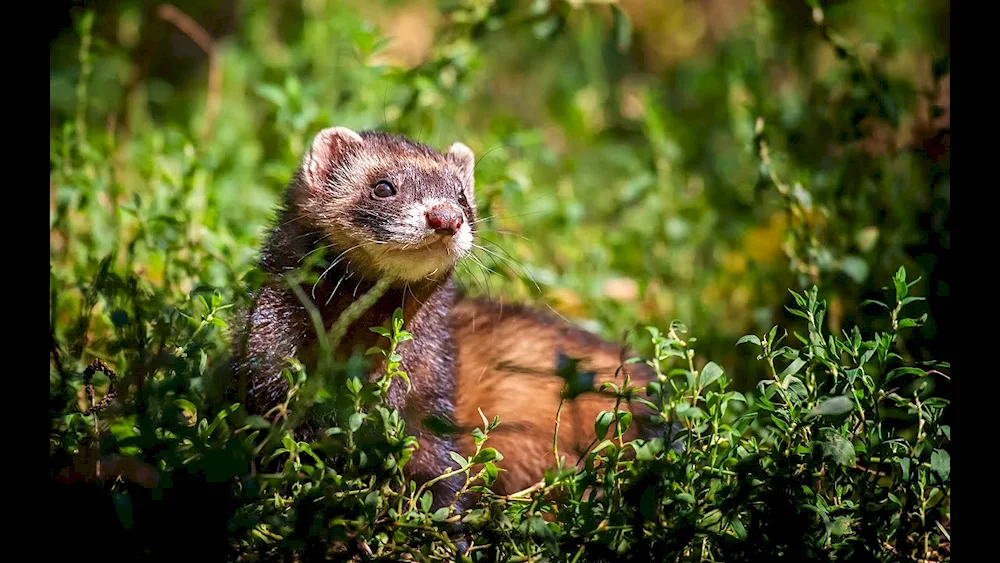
{"x": 642, "y": 161}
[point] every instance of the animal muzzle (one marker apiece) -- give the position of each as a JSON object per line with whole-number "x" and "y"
{"x": 445, "y": 219}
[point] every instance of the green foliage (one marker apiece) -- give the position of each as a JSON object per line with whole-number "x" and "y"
{"x": 638, "y": 163}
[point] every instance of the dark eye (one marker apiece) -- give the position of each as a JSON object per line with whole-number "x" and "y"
{"x": 384, "y": 189}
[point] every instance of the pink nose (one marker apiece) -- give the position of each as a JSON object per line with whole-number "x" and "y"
{"x": 444, "y": 219}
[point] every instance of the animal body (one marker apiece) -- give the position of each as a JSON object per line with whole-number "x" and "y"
{"x": 381, "y": 205}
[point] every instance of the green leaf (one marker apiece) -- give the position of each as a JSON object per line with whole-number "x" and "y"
{"x": 854, "y": 267}
{"x": 898, "y": 372}
{"x": 426, "y": 500}
{"x": 910, "y": 323}
{"x": 355, "y": 421}
{"x": 709, "y": 374}
{"x": 461, "y": 461}
{"x": 739, "y": 530}
{"x": 899, "y": 283}
{"x": 685, "y": 410}
{"x": 475, "y": 517}
{"x": 440, "y": 515}
{"x": 792, "y": 368}
{"x": 941, "y": 464}
{"x": 219, "y": 418}
{"x": 644, "y": 452}
{"x": 487, "y": 454}
{"x": 478, "y": 436}
{"x": 605, "y": 444}
{"x": 623, "y": 28}
{"x": 749, "y": 338}
{"x": 867, "y": 355}
{"x": 491, "y": 473}
{"x": 257, "y": 422}
{"x": 188, "y": 407}
{"x": 397, "y": 319}
{"x": 602, "y": 424}
{"x": 873, "y": 302}
{"x": 354, "y": 385}
{"x": 624, "y": 421}
{"x": 798, "y": 298}
{"x": 840, "y": 449}
{"x": 798, "y": 313}
{"x": 653, "y": 388}
{"x": 772, "y": 333}
{"x": 834, "y": 406}
{"x": 273, "y": 94}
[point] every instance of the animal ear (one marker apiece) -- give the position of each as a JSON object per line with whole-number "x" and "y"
{"x": 328, "y": 148}
{"x": 465, "y": 160}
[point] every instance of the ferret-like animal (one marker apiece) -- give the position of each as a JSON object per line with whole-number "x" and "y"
{"x": 384, "y": 205}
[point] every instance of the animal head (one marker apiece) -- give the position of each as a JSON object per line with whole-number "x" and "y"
{"x": 407, "y": 208}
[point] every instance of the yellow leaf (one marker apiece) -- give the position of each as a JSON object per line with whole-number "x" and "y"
{"x": 567, "y": 302}
{"x": 763, "y": 244}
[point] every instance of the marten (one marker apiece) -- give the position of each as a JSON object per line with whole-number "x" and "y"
{"x": 383, "y": 205}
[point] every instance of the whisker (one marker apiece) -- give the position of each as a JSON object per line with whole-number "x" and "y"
{"x": 293, "y": 219}
{"x": 480, "y": 159}
{"x": 322, "y": 247}
{"x": 508, "y": 261}
{"x": 410, "y": 289}
{"x": 484, "y": 266}
{"x": 486, "y": 279}
{"x": 331, "y": 266}
{"x": 511, "y": 215}
{"x": 506, "y": 232}
{"x": 334, "y": 292}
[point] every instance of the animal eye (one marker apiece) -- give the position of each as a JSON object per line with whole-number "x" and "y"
{"x": 384, "y": 189}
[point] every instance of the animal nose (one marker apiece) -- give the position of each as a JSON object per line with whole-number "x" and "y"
{"x": 444, "y": 219}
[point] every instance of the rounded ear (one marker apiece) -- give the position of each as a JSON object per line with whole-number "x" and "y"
{"x": 465, "y": 160}
{"x": 328, "y": 148}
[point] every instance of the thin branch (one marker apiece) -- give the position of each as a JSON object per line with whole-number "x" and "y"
{"x": 204, "y": 40}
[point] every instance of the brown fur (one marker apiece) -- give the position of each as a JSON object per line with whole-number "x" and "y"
{"x": 507, "y": 366}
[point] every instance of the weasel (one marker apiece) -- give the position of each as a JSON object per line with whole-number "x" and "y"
{"x": 383, "y": 206}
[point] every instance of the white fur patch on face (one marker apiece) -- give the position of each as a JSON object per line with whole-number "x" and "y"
{"x": 416, "y": 252}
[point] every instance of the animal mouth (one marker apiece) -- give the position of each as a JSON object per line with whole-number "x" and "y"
{"x": 434, "y": 242}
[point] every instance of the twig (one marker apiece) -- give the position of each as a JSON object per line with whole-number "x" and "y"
{"x": 525, "y": 492}
{"x": 88, "y": 376}
{"x": 204, "y": 40}
{"x": 95, "y": 407}
{"x": 354, "y": 311}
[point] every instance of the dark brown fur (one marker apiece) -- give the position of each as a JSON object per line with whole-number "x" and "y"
{"x": 278, "y": 326}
